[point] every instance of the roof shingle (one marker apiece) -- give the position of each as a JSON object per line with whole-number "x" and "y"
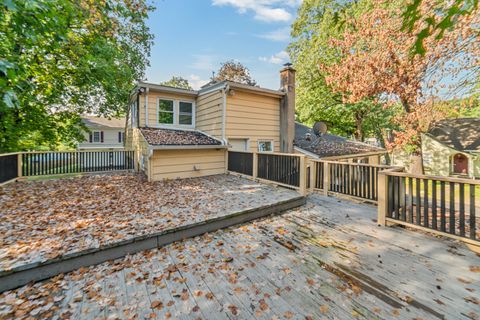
{"x": 177, "y": 137}
{"x": 329, "y": 145}
{"x": 462, "y": 134}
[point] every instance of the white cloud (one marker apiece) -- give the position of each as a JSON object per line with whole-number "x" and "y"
{"x": 196, "y": 81}
{"x": 278, "y": 58}
{"x": 281, "y": 35}
{"x": 204, "y": 62}
{"x": 265, "y": 10}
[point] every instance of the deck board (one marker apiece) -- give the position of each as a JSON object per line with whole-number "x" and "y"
{"x": 325, "y": 260}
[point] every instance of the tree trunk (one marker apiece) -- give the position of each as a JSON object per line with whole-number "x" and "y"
{"x": 358, "y": 127}
{"x": 381, "y": 140}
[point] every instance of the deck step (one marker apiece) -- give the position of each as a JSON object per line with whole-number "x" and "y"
{"x": 34, "y": 272}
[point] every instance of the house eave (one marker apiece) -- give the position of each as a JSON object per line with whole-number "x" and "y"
{"x": 186, "y": 147}
{"x": 167, "y": 89}
{"x": 355, "y": 155}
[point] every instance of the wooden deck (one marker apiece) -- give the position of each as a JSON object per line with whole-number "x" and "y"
{"x": 325, "y": 260}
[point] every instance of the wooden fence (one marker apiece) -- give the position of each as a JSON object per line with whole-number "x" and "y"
{"x": 356, "y": 180}
{"x": 28, "y": 164}
{"x": 288, "y": 170}
{"x": 441, "y": 205}
{"x": 9, "y": 167}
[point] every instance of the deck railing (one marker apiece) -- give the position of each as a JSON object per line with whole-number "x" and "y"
{"x": 9, "y": 167}
{"x": 240, "y": 162}
{"x": 443, "y": 205}
{"x": 41, "y": 163}
{"x": 356, "y": 180}
{"x": 284, "y": 169}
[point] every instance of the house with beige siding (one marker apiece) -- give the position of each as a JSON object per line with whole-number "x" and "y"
{"x": 179, "y": 133}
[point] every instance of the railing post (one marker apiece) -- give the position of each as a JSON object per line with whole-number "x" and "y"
{"x": 255, "y": 165}
{"x": 326, "y": 178}
{"x": 313, "y": 174}
{"x": 382, "y": 198}
{"x": 19, "y": 164}
{"x": 303, "y": 176}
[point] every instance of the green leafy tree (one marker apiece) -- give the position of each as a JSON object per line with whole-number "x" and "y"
{"x": 316, "y": 24}
{"x": 62, "y": 58}
{"x": 448, "y": 13}
{"x": 177, "y": 82}
{"x": 234, "y": 71}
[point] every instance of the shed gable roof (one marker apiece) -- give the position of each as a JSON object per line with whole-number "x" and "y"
{"x": 462, "y": 134}
{"x": 329, "y": 145}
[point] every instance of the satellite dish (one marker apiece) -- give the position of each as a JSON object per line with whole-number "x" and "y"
{"x": 319, "y": 128}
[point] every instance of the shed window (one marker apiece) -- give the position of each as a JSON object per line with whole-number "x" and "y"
{"x": 165, "y": 111}
{"x": 265, "y": 146}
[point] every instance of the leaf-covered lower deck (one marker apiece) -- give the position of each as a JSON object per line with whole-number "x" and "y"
{"x": 43, "y": 220}
{"x": 327, "y": 259}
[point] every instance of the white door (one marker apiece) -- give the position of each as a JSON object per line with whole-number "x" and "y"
{"x": 238, "y": 144}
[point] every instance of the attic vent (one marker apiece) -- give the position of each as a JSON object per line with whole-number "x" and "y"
{"x": 308, "y": 136}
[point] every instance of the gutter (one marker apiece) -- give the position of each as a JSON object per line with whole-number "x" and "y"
{"x": 224, "y": 112}
{"x": 186, "y": 147}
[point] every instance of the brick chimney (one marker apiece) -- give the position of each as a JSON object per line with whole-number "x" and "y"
{"x": 287, "y": 108}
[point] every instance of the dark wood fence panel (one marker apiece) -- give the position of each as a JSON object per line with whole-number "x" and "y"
{"x": 444, "y": 206}
{"x": 8, "y": 167}
{"x": 354, "y": 180}
{"x": 319, "y": 174}
{"x": 284, "y": 169}
{"x": 53, "y": 163}
{"x": 241, "y": 162}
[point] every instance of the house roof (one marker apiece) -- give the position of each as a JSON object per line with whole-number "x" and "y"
{"x": 462, "y": 134}
{"x": 167, "y": 89}
{"x": 177, "y": 137}
{"x": 240, "y": 86}
{"x": 93, "y": 121}
{"x": 329, "y": 145}
{"x": 209, "y": 87}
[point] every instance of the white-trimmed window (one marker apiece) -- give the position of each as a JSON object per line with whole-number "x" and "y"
{"x": 121, "y": 136}
{"x": 176, "y": 113}
{"x": 185, "y": 113}
{"x": 166, "y": 111}
{"x": 96, "y": 136}
{"x": 265, "y": 146}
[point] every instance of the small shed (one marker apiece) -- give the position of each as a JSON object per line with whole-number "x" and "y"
{"x": 328, "y": 146}
{"x": 452, "y": 148}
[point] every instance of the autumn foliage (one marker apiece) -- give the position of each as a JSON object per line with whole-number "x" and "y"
{"x": 376, "y": 60}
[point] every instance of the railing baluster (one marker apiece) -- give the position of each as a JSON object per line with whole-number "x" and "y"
{"x": 410, "y": 200}
{"x": 452, "y": 208}
{"x": 434, "y": 204}
{"x": 425, "y": 203}
{"x": 418, "y": 202}
{"x": 442, "y": 206}
{"x": 462, "y": 210}
{"x": 472, "y": 217}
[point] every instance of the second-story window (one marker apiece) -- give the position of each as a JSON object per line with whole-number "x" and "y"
{"x": 176, "y": 113}
{"x": 165, "y": 111}
{"x": 185, "y": 115}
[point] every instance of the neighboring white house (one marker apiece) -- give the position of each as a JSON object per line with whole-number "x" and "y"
{"x": 104, "y": 133}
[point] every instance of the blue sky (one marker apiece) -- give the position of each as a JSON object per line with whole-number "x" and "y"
{"x": 192, "y": 38}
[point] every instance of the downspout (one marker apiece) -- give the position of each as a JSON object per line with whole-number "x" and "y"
{"x": 146, "y": 106}
{"x": 224, "y": 112}
{"x": 224, "y": 123}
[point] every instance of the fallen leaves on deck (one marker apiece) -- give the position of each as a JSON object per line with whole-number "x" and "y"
{"x": 42, "y": 220}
